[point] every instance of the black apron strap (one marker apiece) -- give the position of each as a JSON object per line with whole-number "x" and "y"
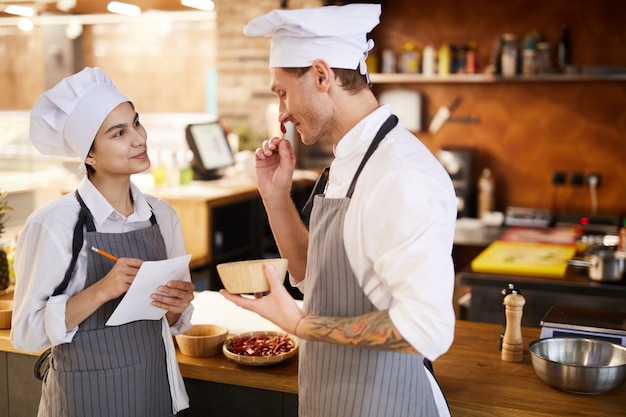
{"x": 389, "y": 124}
{"x": 84, "y": 219}
{"x": 318, "y": 188}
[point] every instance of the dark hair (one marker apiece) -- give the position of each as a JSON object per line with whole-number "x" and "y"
{"x": 90, "y": 170}
{"x": 350, "y": 80}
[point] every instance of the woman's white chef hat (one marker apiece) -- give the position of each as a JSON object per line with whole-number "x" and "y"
{"x": 65, "y": 119}
{"x": 336, "y": 34}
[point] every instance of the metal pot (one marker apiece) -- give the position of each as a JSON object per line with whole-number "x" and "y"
{"x": 604, "y": 265}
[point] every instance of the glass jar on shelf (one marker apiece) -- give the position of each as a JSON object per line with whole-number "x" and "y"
{"x": 509, "y": 55}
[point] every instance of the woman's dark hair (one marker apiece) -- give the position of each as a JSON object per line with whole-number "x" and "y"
{"x": 90, "y": 170}
{"x": 350, "y": 80}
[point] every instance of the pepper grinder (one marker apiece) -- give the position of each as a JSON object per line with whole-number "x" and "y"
{"x": 513, "y": 344}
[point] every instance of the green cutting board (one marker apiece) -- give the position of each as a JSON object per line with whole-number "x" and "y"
{"x": 522, "y": 258}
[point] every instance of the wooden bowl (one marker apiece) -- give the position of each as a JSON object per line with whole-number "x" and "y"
{"x": 6, "y": 312}
{"x": 202, "y": 340}
{"x": 247, "y": 277}
{"x": 255, "y": 360}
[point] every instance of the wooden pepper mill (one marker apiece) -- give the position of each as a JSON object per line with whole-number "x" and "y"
{"x": 512, "y": 344}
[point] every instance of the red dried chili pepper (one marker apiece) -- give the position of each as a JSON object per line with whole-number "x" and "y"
{"x": 261, "y": 345}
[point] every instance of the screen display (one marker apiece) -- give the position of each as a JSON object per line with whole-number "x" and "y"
{"x": 209, "y": 145}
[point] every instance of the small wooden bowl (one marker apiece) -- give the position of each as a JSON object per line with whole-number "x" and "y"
{"x": 247, "y": 277}
{"x": 6, "y": 312}
{"x": 202, "y": 340}
{"x": 259, "y": 360}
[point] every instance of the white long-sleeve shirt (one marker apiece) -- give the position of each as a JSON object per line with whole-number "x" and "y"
{"x": 44, "y": 251}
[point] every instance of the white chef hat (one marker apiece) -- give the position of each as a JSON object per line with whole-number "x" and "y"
{"x": 65, "y": 119}
{"x": 336, "y": 34}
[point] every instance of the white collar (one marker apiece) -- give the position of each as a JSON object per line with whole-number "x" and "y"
{"x": 101, "y": 209}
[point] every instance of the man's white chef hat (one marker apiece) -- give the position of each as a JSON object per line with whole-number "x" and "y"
{"x": 336, "y": 34}
{"x": 65, "y": 119}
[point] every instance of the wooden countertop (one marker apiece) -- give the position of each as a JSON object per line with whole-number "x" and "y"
{"x": 476, "y": 382}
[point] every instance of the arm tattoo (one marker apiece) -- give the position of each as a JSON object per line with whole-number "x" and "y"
{"x": 372, "y": 330}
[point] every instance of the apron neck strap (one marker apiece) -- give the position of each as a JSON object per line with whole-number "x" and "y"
{"x": 389, "y": 124}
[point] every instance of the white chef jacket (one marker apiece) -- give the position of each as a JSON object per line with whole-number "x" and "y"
{"x": 44, "y": 251}
{"x": 399, "y": 230}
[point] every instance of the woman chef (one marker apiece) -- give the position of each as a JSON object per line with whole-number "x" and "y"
{"x": 98, "y": 370}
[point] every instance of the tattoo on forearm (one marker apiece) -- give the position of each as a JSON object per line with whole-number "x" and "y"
{"x": 373, "y": 330}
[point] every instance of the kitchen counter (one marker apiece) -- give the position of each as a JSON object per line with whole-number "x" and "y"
{"x": 540, "y": 293}
{"x": 475, "y": 380}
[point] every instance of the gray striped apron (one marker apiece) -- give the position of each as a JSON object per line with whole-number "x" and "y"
{"x": 342, "y": 381}
{"x": 111, "y": 371}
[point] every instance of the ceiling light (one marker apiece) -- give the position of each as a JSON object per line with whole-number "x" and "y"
{"x": 25, "y": 24}
{"x": 66, "y": 5}
{"x": 20, "y": 10}
{"x": 207, "y": 5}
{"x": 123, "y": 8}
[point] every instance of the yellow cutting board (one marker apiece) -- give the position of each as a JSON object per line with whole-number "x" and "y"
{"x": 522, "y": 258}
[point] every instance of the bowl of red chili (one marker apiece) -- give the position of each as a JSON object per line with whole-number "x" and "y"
{"x": 260, "y": 348}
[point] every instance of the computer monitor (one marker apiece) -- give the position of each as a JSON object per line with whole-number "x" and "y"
{"x": 211, "y": 151}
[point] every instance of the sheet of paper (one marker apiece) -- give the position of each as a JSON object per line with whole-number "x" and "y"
{"x": 136, "y": 304}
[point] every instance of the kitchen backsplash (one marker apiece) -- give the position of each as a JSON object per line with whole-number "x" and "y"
{"x": 526, "y": 131}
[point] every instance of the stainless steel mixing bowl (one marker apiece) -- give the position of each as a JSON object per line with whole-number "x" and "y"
{"x": 579, "y": 365}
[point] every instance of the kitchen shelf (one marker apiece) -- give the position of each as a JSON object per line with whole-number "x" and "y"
{"x": 380, "y": 78}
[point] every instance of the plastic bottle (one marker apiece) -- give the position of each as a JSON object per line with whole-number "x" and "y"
{"x": 621, "y": 245}
{"x": 184, "y": 157}
{"x": 428, "y": 61}
{"x": 444, "y": 60}
{"x": 158, "y": 168}
{"x": 486, "y": 187}
{"x": 564, "y": 49}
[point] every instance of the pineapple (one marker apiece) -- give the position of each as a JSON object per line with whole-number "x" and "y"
{"x": 4, "y": 264}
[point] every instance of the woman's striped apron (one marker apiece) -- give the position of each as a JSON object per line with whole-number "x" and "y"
{"x": 111, "y": 371}
{"x": 341, "y": 381}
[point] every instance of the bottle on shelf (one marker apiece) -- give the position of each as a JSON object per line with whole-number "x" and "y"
{"x": 509, "y": 55}
{"x": 409, "y": 60}
{"x": 443, "y": 67}
{"x": 428, "y": 60}
{"x": 564, "y": 49}
{"x": 544, "y": 60}
{"x": 389, "y": 61}
{"x": 471, "y": 60}
{"x": 486, "y": 201}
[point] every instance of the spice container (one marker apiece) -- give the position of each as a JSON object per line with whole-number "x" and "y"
{"x": 529, "y": 62}
{"x": 409, "y": 60}
{"x": 544, "y": 63}
{"x": 389, "y": 61}
{"x": 471, "y": 63}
